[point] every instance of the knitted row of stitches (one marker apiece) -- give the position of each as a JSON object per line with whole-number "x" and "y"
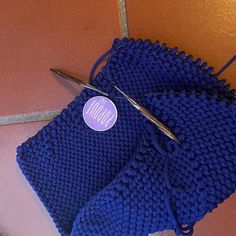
{"x": 67, "y": 163}
{"x": 162, "y": 69}
{"x": 167, "y": 185}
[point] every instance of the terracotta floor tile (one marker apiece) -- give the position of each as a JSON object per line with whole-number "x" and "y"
{"x": 36, "y": 35}
{"x": 21, "y": 212}
{"x": 220, "y": 222}
{"x": 206, "y": 29}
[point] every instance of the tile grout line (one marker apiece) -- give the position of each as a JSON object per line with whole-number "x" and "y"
{"x": 123, "y": 18}
{"x": 44, "y": 116}
{"x": 29, "y": 117}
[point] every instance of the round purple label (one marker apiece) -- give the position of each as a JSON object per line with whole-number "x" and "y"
{"x": 100, "y": 113}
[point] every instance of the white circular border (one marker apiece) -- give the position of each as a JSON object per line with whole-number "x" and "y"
{"x": 113, "y": 106}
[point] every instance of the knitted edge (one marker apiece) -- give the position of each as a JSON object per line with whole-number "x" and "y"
{"x": 147, "y": 44}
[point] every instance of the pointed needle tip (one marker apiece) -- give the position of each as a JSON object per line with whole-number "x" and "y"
{"x": 60, "y": 73}
{"x": 176, "y": 140}
{"x": 54, "y": 70}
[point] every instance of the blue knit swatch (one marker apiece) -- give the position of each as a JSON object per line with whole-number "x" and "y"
{"x": 131, "y": 180}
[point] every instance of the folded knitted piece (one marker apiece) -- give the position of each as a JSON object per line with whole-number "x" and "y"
{"x": 167, "y": 185}
{"x": 67, "y": 163}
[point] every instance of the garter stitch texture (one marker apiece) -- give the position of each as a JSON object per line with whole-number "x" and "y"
{"x": 132, "y": 180}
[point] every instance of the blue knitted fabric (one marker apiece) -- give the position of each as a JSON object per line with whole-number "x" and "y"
{"x": 165, "y": 185}
{"x": 131, "y": 179}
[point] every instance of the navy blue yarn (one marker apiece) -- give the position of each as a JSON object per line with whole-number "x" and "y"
{"x": 228, "y": 63}
{"x": 97, "y": 63}
{"x": 164, "y": 185}
{"x": 76, "y": 171}
{"x": 172, "y": 152}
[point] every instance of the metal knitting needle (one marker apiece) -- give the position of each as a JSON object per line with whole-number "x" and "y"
{"x": 70, "y": 77}
{"x": 142, "y": 110}
{"x": 149, "y": 116}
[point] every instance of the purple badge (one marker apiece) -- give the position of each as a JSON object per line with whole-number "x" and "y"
{"x": 100, "y": 113}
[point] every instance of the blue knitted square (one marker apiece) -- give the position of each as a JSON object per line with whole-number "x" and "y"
{"x": 71, "y": 167}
